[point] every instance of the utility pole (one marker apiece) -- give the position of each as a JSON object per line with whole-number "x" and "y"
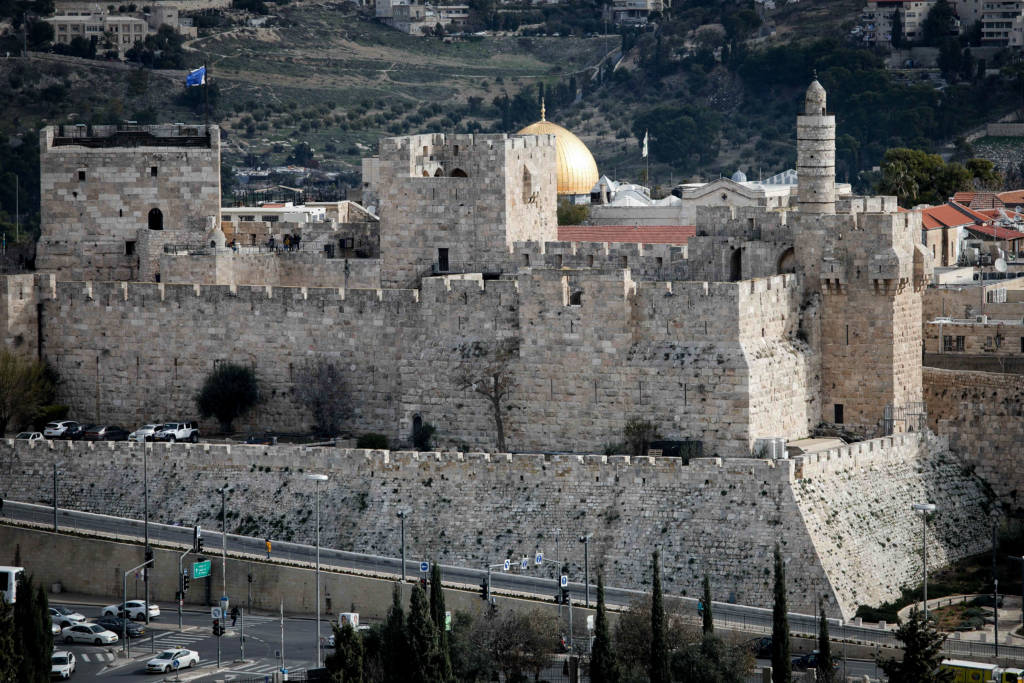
{"x": 17, "y": 208}
{"x": 283, "y": 670}
{"x": 241, "y": 634}
{"x": 995, "y": 582}
{"x": 401, "y": 516}
{"x": 55, "y": 497}
{"x": 585, "y": 540}
{"x": 145, "y": 517}
{"x": 223, "y": 542}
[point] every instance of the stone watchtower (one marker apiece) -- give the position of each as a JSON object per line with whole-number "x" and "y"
{"x": 816, "y": 154}
{"x": 861, "y": 260}
{"x": 113, "y": 196}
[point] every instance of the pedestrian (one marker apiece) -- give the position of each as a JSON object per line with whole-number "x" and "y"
{"x": 234, "y": 615}
{"x": 268, "y": 548}
{"x": 287, "y": 242}
{"x": 297, "y": 240}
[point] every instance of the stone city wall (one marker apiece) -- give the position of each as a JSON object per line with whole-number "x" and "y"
{"x": 280, "y": 269}
{"x": 716, "y": 362}
{"x": 981, "y": 413}
{"x": 840, "y": 516}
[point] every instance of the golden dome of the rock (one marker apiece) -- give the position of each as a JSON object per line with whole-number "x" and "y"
{"x": 577, "y": 170}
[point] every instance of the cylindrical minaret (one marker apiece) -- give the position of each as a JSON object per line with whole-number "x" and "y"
{"x": 816, "y": 154}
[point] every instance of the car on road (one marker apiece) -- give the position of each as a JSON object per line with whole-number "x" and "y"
{"x": 65, "y": 616}
{"x": 119, "y": 626}
{"x": 105, "y": 433}
{"x": 59, "y": 429}
{"x": 29, "y": 436}
{"x": 164, "y": 662}
{"x": 145, "y": 431}
{"x": 810, "y": 661}
{"x": 62, "y": 664}
{"x": 78, "y": 432}
{"x": 88, "y": 633}
{"x": 178, "y": 431}
{"x": 136, "y": 610}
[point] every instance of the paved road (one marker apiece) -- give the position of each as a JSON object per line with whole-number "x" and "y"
{"x": 727, "y": 616}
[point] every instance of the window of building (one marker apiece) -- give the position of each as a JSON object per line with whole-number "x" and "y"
{"x": 576, "y": 299}
{"x": 947, "y": 343}
{"x": 156, "y": 219}
{"x": 526, "y": 259}
{"x": 247, "y": 218}
{"x": 590, "y": 261}
{"x": 270, "y": 219}
{"x": 152, "y": 171}
{"x": 838, "y": 413}
{"x": 129, "y": 248}
{"x": 81, "y": 175}
{"x": 442, "y": 260}
{"x": 558, "y": 260}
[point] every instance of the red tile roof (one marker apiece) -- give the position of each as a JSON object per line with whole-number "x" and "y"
{"x": 963, "y": 198}
{"x": 995, "y": 232}
{"x": 951, "y": 215}
{"x": 639, "y": 234}
{"x": 1012, "y": 198}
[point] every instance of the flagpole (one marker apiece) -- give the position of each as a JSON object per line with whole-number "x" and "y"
{"x": 206, "y": 95}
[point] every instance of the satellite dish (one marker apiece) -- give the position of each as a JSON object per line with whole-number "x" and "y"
{"x": 1000, "y": 265}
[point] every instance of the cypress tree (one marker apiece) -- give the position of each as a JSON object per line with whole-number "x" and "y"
{"x": 658, "y": 666}
{"x": 781, "y": 664}
{"x": 9, "y": 659}
{"x": 709, "y": 621}
{"x": 425, "y": 655}
{"x": 32, "y": 636}
{"x": 824, "y": 647}
{"x": 604, "y": 667}
{"x": 437, "y": 615}
{"x": 395, "y": 644}
{"x": 346, "y": 664}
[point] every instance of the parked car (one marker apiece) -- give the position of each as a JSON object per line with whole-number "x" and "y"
{"x": 810, "y": 661}
{"x": 65, "y": 616}
{"x": 178, "y": 431}
{"x": 164, "y": 662}
{"x": 59, "y": 429}
{"x": 145, "y": 431}
{"x": 55, "y": 629}
{"x": 29, "y": 436}
{"x": 136, "y": 610}
{"x": 62, "y": 664}
{"x": 88, "y": 633}
{"x": 78, "y": 432}
{"x": 105, "y": 433}
{"x": 260, "y": 440}
{"x": 760, "y": 647}
{"x": 120, "y": 626}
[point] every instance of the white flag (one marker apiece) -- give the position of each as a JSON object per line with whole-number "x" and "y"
{"x": 645, "y": 145}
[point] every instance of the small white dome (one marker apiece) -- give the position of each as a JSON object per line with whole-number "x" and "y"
{"x": 739, "y": 177}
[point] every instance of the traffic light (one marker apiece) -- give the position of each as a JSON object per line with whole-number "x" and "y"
{"x": 184, "y": 581}
{"x": 197, "y": 539}
{"x": 217, "y": 628}
{"x": 565, "y": 596}
{"x": 423, "y": 584}
{"x": 149, "y": 555}
{"x": 483, "y": 590}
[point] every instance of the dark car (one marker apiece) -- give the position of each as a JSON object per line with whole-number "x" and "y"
{"x": 260, "y": 440}
{"x": 810, "y": 661}
{"x": 78, "y": 432}
{"x": 761, "y": 647}
{"x": 105, "y": 433}
{"x": 116, "y": 624}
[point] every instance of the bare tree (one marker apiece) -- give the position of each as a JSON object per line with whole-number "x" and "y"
{"x": 487, "y": 370}
{"x": 320, "y": 386}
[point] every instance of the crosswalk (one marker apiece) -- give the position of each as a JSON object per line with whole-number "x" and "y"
{"x": 169, "y": 639}
{"x": 265, "y": 667}
{"x": 96, "y": 656}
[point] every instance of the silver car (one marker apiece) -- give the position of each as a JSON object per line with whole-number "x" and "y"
{"x": 88, "y": 633}
{"x": 65, "y": 616}
{"x": 59, "y": 429}
{"x": 146, "y": 432}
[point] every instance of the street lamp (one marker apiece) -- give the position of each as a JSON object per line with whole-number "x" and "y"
{"x": 317, "y": 478}
{"x": 585, "y": 540}
{"x": 924, "y": 509}
{"x": 402, "y": 515}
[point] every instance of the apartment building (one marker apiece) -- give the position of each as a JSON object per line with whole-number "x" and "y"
{"x": 1002, "y": 22}
{"x": 876, "y": 19}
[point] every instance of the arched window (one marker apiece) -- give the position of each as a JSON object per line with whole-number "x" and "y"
{"x": 156, "y": 219}
{"x": 787, "y": 262}
{"x": 417, "y": 424}
{"x": 576, "y": 299}
{"x": 527, "y": 186}
{"x": 439, "y": 173}
{"x": 426, "y": 173}
{"x": 459, "y": 173}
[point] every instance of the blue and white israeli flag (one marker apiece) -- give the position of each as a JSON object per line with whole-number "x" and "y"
{"x": 197, "y": 77}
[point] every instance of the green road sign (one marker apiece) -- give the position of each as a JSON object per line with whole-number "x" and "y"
{"x": 200, "y": 570}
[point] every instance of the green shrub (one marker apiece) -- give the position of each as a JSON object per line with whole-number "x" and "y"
{"x": 374, "y": 441}
{"x": 49, "y": 414}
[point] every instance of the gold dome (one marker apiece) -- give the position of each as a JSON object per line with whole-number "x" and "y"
{"x": 577, "y": 170}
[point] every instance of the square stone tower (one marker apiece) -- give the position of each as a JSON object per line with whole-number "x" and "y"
{"x": 457, "y": 203}
{"x": 112, "y": 196}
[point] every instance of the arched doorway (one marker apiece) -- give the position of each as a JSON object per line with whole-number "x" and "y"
{"x": 736, "y": 266}
{"x": 787, "y": 262}
{"x": 156, "y": 219}
{"x": 439, "y": 173}
{"x": 459, "y": 173}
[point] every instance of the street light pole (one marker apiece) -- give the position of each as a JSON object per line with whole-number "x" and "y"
{"x": 924, "y": 509}
{"x": 55, "y": 497}
{"x": 401, "y": 516}
{"x": 585, "y": 540}
{"x": 145, "y": 517}
{"x": 318, "y": 478}
{"x": 223, "y": 542}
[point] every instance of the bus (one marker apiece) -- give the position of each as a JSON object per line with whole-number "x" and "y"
{"x": 10, "y": 577}
{"x": 978, "y": 672}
